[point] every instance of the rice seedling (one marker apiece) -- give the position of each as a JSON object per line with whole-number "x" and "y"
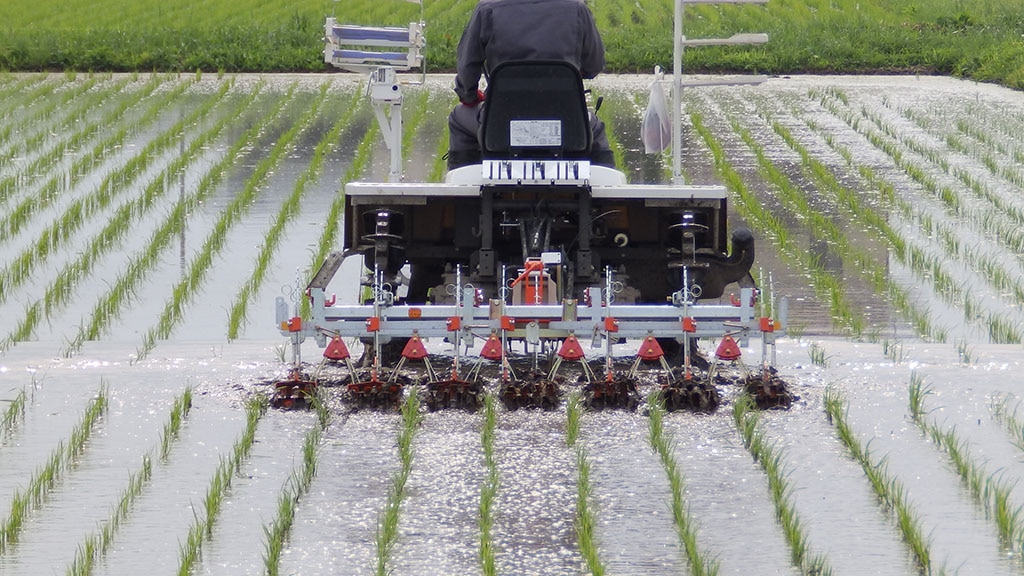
{"x": 489, "y": 489}
{"x": 61, "y": 460}
{"x": 202, "y": 526}
{"x": 760, "y": 217}
{"x": 817, "y": 354}
{"x": 586, "y": 520}
{"x": 765, "y": 453}
{"x": 111, "y": 303}
{"x": 59, "y": 291}
{"x": 889, "y": 489}
{"x": 202, "y": 263}
{"x": 13, "y": 415}
{"x": 991, "y": 492}
{"x": 686, "y": 526}
{"x": 289, "y": 209}
{"x": 387, "y": 520}
{"x": 277, "y": 531}
{"x": 179, "y": 411}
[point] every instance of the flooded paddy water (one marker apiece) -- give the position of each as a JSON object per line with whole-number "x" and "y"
{"x": 148, "y": 223}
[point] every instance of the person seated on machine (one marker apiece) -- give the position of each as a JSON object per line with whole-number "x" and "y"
{"x": 506, "y": 30}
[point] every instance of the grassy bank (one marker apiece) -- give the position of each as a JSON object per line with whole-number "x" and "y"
{"x": 979, "y": 40}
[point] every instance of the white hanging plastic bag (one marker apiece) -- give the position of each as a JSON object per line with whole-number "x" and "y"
{"x": 656, "y": 130}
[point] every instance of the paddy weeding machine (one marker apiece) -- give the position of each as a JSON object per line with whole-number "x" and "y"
{"x": 536, "y": 244}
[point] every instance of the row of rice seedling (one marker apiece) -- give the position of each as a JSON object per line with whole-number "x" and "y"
{"x": 202, "y": 527}
{"x": 999, "y": 327}
{"x": 1010, "y": 420}
{"x": 118, "y": 224}
{"x": 850, "y": 200}
{"x": 890, "y": 491}
{"x": 201, "y": 264}
{"x": 586, "y": 518}
{"x": 998, "y": 223}
{"x": 74, "y": 127}
{"x": 990, "y": 491}
{"x": 701, "y": 563}
{"x": 33, "y": 135}
{"x": 750, "y": 207}
{"x": 98, "y": 543}
{"x": 361, "y": 158}
{"x": 386, "y": 535}
{"x": 62, "y": 460}
{"x": 109, "y": 305}
{"x": 13, "y": 415}
{"x": 289, "y": 209}
{"x": 55, "y": 235}
{"x": 489, "y": 488}
{"x": 297, "y": 485}
{"x": 768, "y": 456}
{"x": 40, "y": 104}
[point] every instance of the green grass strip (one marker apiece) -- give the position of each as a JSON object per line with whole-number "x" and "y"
{"x": 701, "y": 564}
{"x": 387, "y": 521}
{"x": 586, "y": 518}
{"x": 202, "y": 526}
{"x": 767, "y": 455}
{"x": 990, "y": 491}
{"x": 279, "y": 529}
{"x": 63, "y": 459}
{"x": 889, "y": 489}
{"x": 98, "y": 542}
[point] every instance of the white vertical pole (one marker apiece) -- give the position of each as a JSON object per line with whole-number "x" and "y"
{"x": 677, "y": 94}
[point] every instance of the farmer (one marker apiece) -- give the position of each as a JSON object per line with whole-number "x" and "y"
{"x": 503, "y": 30}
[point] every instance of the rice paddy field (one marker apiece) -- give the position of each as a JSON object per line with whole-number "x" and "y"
{"x": 149, "y": 221}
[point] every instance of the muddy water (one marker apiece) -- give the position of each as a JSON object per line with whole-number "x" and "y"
{"x": 534, "y": 530}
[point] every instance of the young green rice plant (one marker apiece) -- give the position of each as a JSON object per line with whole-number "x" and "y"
{"x": 62, "y": 288}
{"x": 889, "y": 489}
{"x": 701, "y": 564}
{"x": 277, "y": 531}
{"x": 202, "y": 526}
{"x": 13, "y": 415}
{"x": 747, "y": 420}
{"x": 110, "y": 304}
{"x": 62, "y": 460}
{"x": 991, "y": 492}
{"x": 289, "y": 209}
{"x": 185, "y": 290}
{"x": 179, "y": 411}
{"x": 817, "y": 354}
{"x": 387, "y": 521}
{"x": 489, "y": 489}
{"x": 1010, "y": 421}
{"x": 586, "y": 520}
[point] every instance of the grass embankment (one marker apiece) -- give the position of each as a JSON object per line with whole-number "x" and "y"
{"x": 978, "y": 40}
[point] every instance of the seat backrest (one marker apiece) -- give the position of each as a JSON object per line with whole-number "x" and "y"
{"x": 535, "y": 109}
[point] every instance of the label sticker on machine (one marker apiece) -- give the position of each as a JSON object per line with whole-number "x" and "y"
{"x": 535, "y": 133}
{"x": 536, "y": 171}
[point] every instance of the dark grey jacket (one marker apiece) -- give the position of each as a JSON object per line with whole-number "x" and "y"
{"x": 501, "y": 30}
